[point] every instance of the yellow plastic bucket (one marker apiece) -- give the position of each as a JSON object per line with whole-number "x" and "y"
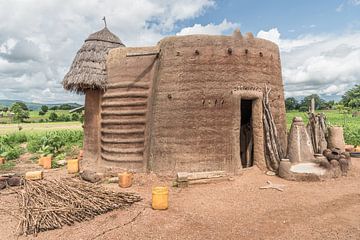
{"x": 125, "y": 179}
{"x": 73, "y": 166}
{"x": 160, "y": 198}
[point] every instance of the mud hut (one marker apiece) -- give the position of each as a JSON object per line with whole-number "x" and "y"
{"x": 190, "y": 103}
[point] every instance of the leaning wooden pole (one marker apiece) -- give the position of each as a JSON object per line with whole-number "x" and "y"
{"x": 274, "y": 151}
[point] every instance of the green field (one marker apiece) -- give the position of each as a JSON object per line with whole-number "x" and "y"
{"x": 350, "y": 124}
{"x": 39, "y": 127}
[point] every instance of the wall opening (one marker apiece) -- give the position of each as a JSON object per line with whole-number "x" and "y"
{"x": 246, "y": 134}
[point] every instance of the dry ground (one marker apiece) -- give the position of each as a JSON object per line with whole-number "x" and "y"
{"x": 235, "y": 209}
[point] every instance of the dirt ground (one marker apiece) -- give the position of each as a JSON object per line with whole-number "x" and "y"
{"x": 234, "y": 209}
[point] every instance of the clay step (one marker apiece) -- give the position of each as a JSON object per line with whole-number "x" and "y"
{"x": 124, "y": 103}
{"x": 123, "y": 121}
{"x": 122, "y": 150}
{"x": 110, "y": 157}
{"x": 122, "y": 140}
{"x": 123, "y": 131}
{"x": 124, "y": 112}
{"x": 128, "y": 94}
{"x": 128, "y": 85}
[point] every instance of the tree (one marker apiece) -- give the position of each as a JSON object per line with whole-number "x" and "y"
{"x": 75, "y": 117}
{"x": 41, "y": 113}
{"x": 5, "y": 109}
{"x": 54, "y": 108}
{"x": 291, "y": 103}
{"x": 352, "y": 97}
{"x": 65, "y": 107}
{"x": 22, "y": 105}
{"x": 319, "y": 103}
{"x": 44, "y": 108}
{"x": 53, "y": 117}
{"x": 20, "y": 113}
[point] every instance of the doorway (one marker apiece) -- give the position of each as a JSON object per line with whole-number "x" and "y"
{"x": 246, "y": 133}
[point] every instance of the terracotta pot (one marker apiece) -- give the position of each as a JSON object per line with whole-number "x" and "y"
{"x": 46, "y": 162}
{"x": 125, "y": 179}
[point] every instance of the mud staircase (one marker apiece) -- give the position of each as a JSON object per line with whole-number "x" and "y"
{"x": 123, "y": 110}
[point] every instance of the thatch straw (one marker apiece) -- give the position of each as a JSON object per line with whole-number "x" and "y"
{"x": 88, "y": 70}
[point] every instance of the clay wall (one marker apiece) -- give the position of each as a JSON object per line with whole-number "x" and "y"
{"x": 191, "y": 120}
{"x": 194, "y": 108}
{"x": 91, "y": 129}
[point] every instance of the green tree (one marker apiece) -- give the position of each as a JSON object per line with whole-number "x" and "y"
{"x": 53, "y": 117}
{"x": 291, "y": 103}
{"x": 54, "y": 108}
{"x": 44, "y": 108}
{"x": 22, "y": 105}
{"x": 75, "y": 117}
{"x": 65, "y": 107}
{"x": 352, "y": 97}
{"x": 5, "y": 109}
{"x": 20, "y": 113}
{"x": 319, "y": 102}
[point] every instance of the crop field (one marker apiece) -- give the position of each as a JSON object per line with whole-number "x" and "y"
{"x": 39, "y": 127}
{"x": 350, "y": 124}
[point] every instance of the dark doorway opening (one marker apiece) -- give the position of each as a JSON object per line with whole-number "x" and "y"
{"x": 246, "y": 134}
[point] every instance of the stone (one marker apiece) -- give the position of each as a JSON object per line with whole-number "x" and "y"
{"x": 90, "y": 176}
{"x": 61, "y": 162}
{"x": 14, "y": 181}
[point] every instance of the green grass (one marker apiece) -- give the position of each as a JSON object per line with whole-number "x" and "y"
{"x": 7, "y": 166}
{"x": 350, "y": 124}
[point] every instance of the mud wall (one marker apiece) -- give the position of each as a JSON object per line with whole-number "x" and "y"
{"x": 91, "y": 129}
{"x": 125, "y": 108}
{"x": 194, "y": 109}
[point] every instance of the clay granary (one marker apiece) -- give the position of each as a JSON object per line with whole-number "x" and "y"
{"x": 190, "y": 103}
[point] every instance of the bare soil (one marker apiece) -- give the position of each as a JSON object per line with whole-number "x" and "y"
{"x": 234, "y": 209}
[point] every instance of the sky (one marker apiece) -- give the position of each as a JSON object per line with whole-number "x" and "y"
{"x": 319, "y": 40}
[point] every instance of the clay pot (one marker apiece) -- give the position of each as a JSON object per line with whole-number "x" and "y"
{"x": 125, "y": 179}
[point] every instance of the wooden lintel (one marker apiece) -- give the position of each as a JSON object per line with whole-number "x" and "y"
{"x": 142, "y": 54}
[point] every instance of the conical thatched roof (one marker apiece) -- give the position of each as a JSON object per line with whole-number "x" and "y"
{"x": 88, "y": 70}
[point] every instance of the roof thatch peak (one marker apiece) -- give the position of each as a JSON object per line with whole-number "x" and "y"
{"x": 88, "y": 70}
{"x": 104, "y": 35}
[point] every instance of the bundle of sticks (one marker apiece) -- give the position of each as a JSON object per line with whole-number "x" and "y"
{"x": 51, "y": 204}
{"x": 274, "y": 152}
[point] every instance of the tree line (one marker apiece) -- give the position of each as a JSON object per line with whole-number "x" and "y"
{"x": 20, "y": 112}
{"x": 350, "y": 100}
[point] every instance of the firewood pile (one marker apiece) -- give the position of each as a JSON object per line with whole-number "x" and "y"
{"x": 274, "y": 151}
{"x": 51, "y": 204}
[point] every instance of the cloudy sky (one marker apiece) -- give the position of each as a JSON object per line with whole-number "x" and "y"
{"x": 319, "y": 40}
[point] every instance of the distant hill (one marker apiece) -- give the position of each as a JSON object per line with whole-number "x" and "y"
{"x": 34, "y": 106}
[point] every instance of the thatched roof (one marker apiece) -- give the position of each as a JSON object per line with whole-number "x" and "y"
{"x": 88, "y": 70}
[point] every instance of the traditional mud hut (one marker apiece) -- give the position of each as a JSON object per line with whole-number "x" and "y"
{"x": 190, "y": 103}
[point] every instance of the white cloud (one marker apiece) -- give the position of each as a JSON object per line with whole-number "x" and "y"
{"x": 354, "y": 2}
{"x": 211, "y": 29}
{"x": 38, "y": 44}
{"x": 323, "y": 64}
{"x": 271, "y": 35}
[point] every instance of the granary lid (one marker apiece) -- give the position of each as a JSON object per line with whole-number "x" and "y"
{"x": 104, "y": 35}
